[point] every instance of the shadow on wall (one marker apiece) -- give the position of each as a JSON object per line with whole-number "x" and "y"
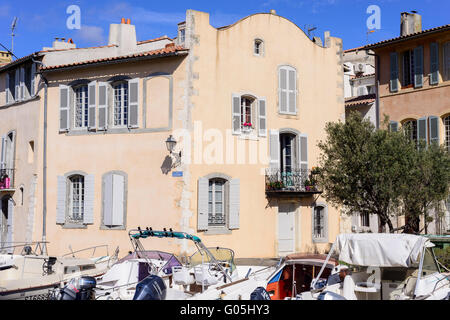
{"x": 322, "y": 249}
{"x": 166, "y": 166}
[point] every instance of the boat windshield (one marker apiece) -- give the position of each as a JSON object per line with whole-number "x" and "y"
{"x": 222, "y": 255}
{"x": 170, "y": 259}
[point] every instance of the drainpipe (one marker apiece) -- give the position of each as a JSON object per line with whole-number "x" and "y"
{"x": 377, "y": 83}
{"x": 44, "y": 175}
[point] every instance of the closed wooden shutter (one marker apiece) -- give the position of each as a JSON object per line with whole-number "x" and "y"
{"x": 235, "y": 204}
{"x": 434, "y": 129}
{"x": 7, "y": 89}
{"x": 102, "y": 106}
{"x": 17, "y": 86}
{"x": 133, "y": 90}
{"x": 292, "y": 78}
{"x": 33, "y": 80}
{"x": 394, "y": 72}
{"x": 113, "y": 200}
{"x": 61, "y": 202}
{"x": 303, "y": 147}
{"x": 64, "y": 108}
{"x": 287, "y": 90}
{"x": 92, "y": 105}
{"x": 89, "y": 198}
{"x": 434, "y": 63}
{"x": 202, "y": 206}
{"x": 22, "y": 84}
{"x": 274, "y": 149}
{"x": 262, "y": 118}
{"x": 3, "y": 153}
{"x": 418, "y": 67}
{"x": 422, "y": 130}
{"x": 283, "y": 90}
{"x": 236, "y": 114}
{"x": 447, "y": 60}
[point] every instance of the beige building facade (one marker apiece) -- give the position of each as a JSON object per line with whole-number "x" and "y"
{"x": 246, "y": 105}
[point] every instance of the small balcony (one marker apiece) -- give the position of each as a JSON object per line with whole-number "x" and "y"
{"x": 293, "y": 184}
{"x": 6, "y": 180}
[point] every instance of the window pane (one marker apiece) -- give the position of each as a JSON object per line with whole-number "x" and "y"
{"x": 81, "y": 107}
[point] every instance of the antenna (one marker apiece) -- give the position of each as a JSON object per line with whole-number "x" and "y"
{"x": 13, "y": 28}
{"x": 310, "y": 29}
{"x": 367, "y": 34}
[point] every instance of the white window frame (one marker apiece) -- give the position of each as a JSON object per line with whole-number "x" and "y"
{"x": 212, "y": 201}
{"x": 323, "y": 238}
{"x": 243, "y": 108}
{"x": 124, "y": 98}
{"x": 84, "y": 107}
{"x": 72, "y": 181}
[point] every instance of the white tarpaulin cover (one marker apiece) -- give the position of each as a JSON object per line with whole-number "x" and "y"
{"x": 380, "y": 250}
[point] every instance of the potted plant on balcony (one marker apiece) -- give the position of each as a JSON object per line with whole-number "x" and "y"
{"x": 310, "y": 185}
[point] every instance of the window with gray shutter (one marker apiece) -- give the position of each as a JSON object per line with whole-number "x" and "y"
{"x": 202, "y": 205}
{"x": 236, "y": 114}
{"x": 61, "y": 202}
{"x": 447, "y": 60}
{"x": 133, "y": 89}
{"x": 422, "y": 130}
{"x": 33, "y": 80}
{"x": 394, "y": 72}
{"x": 262, "y": 118}
{"x": 418, "y": 67}
{"x": 17, "y": 85}
{"x": 64, "y": 108}
{"x": 393, "y": 126}
{"x": 434, "y": 129}
{"x": 235, "y": 204}
{"x": 434, "y": 63}
{"x": 7, "y": 89}
{"x": 287, "y": 90}
{"x": 114, "y": 200}
{"x": 303, "y": 147}
{"x": 22, "y": 84}
{"x": 3, "y": 153}
{"x": 320, "y": 224}
{"x": 102, "y": 106}
{"x": 92, "y": 105}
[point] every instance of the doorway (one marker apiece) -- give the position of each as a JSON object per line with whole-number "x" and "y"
{"x": 6, "y": 207}
{"x": 286, "y": 228}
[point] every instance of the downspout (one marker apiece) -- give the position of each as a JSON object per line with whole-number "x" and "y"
{"x": 44, "y": 174}
{"x": 377, "y": 83}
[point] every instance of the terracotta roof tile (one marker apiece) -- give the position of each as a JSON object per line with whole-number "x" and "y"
{"x": 355, "y": 101}
{"x": 168, "y": 50}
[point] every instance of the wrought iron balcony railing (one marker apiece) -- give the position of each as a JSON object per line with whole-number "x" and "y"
{"x": 6, "y": 179}
{"x": 293, "y": 181}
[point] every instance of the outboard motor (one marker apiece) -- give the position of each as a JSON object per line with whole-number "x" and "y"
{"x": 151, "y": 288}
{"x": 260, "y": 293}
{"x": 79, "y": 289}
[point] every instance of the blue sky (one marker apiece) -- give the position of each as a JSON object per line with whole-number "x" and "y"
{"x": 41, "y": 21}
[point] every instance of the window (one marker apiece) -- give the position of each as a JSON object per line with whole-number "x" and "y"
{"x": 19, "y": 83}
{"x": 76, "y": 199}
{"x": 408, "y": 68}
{"x": 288, "y": 152}
{"x": 429, "y": 263}
{"x": 120, "y": 104}
{"x": 81, "y": 110}
{"x": 182, "y": 35}
{"x": 31, "y": 152}
{"x": 447, "y": 132}
{"x": 216, "y": 202}
{"x": 287, "y": 90}
{"x": 447, "y": 60}
{"x": 259, "y": 47}
{"x": 365, "y": 220}
{"x": 411, "y": 129}
{"x": 246, "y": 113}
{"x": 114, "y": 200}
{"x": 319, "y": 224}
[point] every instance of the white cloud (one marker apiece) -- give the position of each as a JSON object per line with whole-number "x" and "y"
{"x": 91, "y": 35}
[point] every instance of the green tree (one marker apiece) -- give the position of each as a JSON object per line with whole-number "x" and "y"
{"x": 372, "y": 171}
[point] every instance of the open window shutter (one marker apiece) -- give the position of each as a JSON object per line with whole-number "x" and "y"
{"x": 33, "y": 80}
{"x": 133, "y": 90}
{"x": 418, "y": 67}
{"x": 113, "y": 201}
{"x": 292, "y": 79}
{"x": 7, "y": 89}
{"x": 274, "y": 149}
{"x": 17, "y": 85}
{"x": 108, "y": 200}
{"x": 61, "y": 200}
{"x": 64, "y": 107}
{"x": 22, "y": 84}
{"x": 262, "y": 118}
{"x": 422, "y": 130}
{"x": 202, "y": 214}
{"x": 102, "y": 106}
{"x": 303, "y": 147}
{"x": 92, "y": 104}
{"x": 89, "y": 198}
{"x": 236, "y": 116}
{"x": 447, "y": 60}
{"x": 434, "y": 63}
{"x": 434, "y": 129}
{"x": 10, "y": 225}
{"x": 394, "y": 72}
{"x": 3, "y": 153}
{"x": 393, "y": 126}
{"x": 283, "y": 90}
{"x": 235, "y": 204}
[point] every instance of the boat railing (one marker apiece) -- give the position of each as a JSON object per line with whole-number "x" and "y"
{"x": 94, "y": 250}
{"x": 26, "y": 248}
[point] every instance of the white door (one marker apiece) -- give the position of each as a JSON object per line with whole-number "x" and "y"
{"x": 286, "y": 229}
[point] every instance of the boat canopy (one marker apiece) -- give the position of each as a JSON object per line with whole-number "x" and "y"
{"x": 380, "y": 250}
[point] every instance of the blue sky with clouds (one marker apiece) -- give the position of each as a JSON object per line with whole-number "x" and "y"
{"x": 41, "y": 21}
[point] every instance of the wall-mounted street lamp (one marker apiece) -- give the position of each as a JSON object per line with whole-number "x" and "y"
{"x": 171, "y": 143}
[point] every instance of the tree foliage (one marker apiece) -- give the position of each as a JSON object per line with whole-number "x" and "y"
{"x": 372, "y": 171}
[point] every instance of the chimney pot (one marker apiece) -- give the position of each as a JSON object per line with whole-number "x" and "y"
{"x": 123, "y": 21}
{"x": 128, "y": 21}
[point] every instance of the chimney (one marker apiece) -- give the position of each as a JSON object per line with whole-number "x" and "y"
{"x": 61, "y": 43}
{"x": 411, "y": 22}
{"x": 123, "y": 35}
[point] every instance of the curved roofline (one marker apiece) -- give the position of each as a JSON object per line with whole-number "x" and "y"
{"x": 263, "y": 13}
